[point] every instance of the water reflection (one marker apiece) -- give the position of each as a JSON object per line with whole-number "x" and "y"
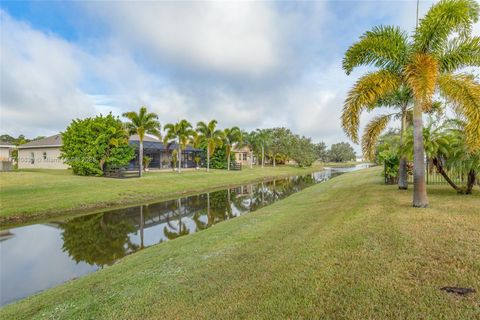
{"x": 84, "y": 244}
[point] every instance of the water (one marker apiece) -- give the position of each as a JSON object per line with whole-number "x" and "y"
{"x": 40, "y": 256}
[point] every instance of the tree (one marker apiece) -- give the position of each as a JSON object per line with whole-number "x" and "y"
{"x": 231, "y": 136}
{"x": 212, "y": 137}
{"x": 93, "y": 144}
{"x": 445, "y": 148}
{"x": 321, "y": 151}
{"x": 281, "y": 140}
{"x": 263, "y": 140}
{"x": 341, "y": 152}
{"x": 181, "y": 133}
{"x": 400, "y": 100}
{"x": 302, "y": 150}
{"x": 142, "y": 123}
{"x": 440, "y": 45}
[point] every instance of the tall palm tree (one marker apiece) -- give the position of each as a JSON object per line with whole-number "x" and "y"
{"x": 181, "y": 133}
{"x": 231, "y": 136}
{"x": 142, "y": 123}
{"x": 212, "y": 137}
{"x": 400, "y": 100}
{"x": 263, "y": 139}
{"x": 440, "y": 45}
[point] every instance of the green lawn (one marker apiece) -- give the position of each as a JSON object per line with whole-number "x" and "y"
{"x": 34, "y": 194}
{"x": 350, "y": 248}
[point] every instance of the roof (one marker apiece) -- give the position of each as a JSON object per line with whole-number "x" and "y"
{"x": 134, "y": 137}
{"x": 52, "y": 141}
{"x": 5, "y": 144}
{"x": 157, "y": 145}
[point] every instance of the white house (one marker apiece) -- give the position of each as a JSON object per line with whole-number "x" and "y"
{"x": 41, "y": 154}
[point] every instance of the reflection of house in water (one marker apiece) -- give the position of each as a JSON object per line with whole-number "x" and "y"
{"x": 5, "y": 235}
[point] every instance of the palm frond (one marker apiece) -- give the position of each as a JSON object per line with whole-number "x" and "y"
{"x": 421, "y": 75}
{"x": 371, "y": 134}
{"x": 383, "y": 47}
{"x": 442, "y": 20}
{"x": 464, "y": 93}
{"x": 365, "y": 93}
{"x": 460, "y": 53}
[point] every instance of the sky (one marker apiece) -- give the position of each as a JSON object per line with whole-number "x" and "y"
{"x": 246, "y": 64}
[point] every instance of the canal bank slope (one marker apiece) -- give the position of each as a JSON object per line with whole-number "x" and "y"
{"x": 349, "y": 248}
{"x": 32, "y": 195}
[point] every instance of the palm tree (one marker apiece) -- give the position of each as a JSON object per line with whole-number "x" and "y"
{"x": 400, "y": 100}
{"x": 231, "y": 136}
{"x": 142, "y": 123}
{"x": 263, "y": 138}
{"x": 212, "y": 137}
{"x": 441, "y": 45}
{"x": 180, "y": 132}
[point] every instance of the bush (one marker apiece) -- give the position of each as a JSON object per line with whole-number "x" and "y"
{"x": 218, "y": 160}
{"x": 94, "y": 144}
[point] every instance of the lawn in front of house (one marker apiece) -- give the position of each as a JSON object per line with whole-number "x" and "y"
{"x": 350, "y": 248}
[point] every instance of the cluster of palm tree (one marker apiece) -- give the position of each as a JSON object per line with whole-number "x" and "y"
{"x": 412, "y": 72}
{"x": 182, "y": 133}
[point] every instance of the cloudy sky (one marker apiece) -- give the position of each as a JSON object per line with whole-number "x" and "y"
{"x": 251, "y": 64}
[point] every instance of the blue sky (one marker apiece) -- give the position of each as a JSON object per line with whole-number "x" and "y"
{"x": 251, "y": 64}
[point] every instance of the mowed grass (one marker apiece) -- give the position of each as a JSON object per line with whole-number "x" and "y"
{"x": 350, "y": 248}
{"x": 28, "y": 194}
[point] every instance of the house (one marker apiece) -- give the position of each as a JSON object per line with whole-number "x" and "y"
{"x": 6, "y": 162}
{"x": 243, "y": 155}
{"x": 45, "y": 153}
{"x": 161, "y": 155}
{"x": 6, "y": 149}
{"x": 41, "y": 154}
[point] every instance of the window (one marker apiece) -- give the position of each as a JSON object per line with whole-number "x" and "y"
{"x": 32, "y": 158}
{"x": 244, "y": 156}
{"x": 44, "y": 156}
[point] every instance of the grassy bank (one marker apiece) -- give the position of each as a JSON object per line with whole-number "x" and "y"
{"x": 350, "y": 248}
{"x": 36, "y": 194}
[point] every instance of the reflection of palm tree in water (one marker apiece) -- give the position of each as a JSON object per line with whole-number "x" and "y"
{"x": 173, "y": 232}
{"x": 142, "y": 222}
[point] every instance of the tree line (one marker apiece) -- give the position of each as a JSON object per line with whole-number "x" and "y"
{"x": 92, "y": 145}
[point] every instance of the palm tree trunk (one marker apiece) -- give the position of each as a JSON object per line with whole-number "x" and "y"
{"x": 140, "y": 158}
{"x": 179, "y": 157}
{"x": 209, "y": 217}
{"x": 402, "y": 169}
{"x": 228, "y": 158}
{"x": 263, "y": 156}
{"x": 471, "y": 181}
{"x": 440, "y": 170}
{"x": 208, "y": 157}
{"x": 420, "y": 199}
{"x": 251, "y": 159}
{"x": 274, "y": 160}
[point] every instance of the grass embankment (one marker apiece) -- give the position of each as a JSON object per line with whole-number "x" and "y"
{"x": 36, "y": 194}
{"x": 350, "y": 248}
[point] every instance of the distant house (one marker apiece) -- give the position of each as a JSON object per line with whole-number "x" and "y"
{"x": 6, "y": 149}
{"x": 45, "y": 153}
{"x": 41, "y": 154}
{"x": 6, "y": 161}
{"x": 243, "y": 155}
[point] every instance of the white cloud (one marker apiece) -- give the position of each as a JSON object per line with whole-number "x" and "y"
{"x": 39, "y": 90}
{"x": 231, "y": 37}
